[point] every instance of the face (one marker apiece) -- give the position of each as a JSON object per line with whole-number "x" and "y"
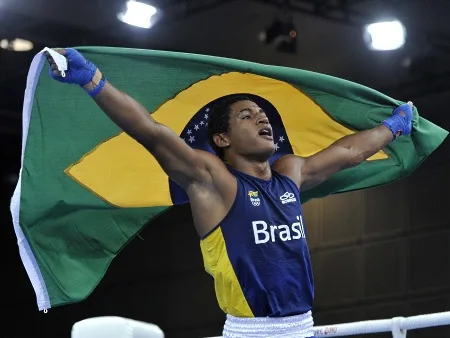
{"x": 250, "y": 132}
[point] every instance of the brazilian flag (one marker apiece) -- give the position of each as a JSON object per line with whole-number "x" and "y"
{"x": 86, "y": 188}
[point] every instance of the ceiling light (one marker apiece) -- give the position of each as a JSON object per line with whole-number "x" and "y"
{"x": 388, "y": 35}
{"x": 16, "y": 45}
{"x": 138, "y": 14}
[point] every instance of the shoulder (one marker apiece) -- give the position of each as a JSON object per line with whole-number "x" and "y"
{"x": 218, "y": 171}
{"x": 290, "y": 166}
{"x": 212, "y": 161}
{"x": 206, "y": 155}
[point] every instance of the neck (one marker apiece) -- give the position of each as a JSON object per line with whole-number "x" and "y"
{"x": 260, "y": 169}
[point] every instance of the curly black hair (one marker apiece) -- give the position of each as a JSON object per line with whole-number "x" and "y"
{"x": 219, "y": 118}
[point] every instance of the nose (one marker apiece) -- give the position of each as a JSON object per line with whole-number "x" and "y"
{"x": 263, "y": 120}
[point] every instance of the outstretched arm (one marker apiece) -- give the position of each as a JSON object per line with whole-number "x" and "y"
{"x": 346, "y": 152}
{"x": 182, "y": 163}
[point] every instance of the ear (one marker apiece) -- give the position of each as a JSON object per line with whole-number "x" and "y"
{"x": 221, "y": 140}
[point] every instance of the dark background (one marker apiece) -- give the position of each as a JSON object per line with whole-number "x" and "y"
{"x": 376, "y": 254}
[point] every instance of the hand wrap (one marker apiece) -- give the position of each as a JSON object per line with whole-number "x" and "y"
{"x": 400, "y": 123}
{"x": 80, "y": 71}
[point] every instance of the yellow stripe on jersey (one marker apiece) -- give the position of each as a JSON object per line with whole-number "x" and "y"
{"x": 229, "y": 293}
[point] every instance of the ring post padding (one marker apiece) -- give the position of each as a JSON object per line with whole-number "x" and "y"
{"x": 115, "y": 327}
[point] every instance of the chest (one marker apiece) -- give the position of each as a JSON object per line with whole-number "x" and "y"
{"x": 267, "y": 217}
{"x": 273, "y": 201}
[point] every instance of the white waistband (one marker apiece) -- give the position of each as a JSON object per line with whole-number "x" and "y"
{"x": 300, "y": 326}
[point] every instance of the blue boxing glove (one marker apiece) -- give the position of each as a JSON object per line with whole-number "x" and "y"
{"x": 80, "y": 71}
{"x": 400, "y": 123}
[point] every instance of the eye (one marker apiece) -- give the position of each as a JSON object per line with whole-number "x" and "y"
{"x": 246, "y": 117}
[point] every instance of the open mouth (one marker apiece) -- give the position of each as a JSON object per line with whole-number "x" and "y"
{"x": 266, "y": 132}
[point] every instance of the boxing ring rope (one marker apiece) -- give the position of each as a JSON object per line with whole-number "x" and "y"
{"x": 118, "y": 327}
{"x": 398, "y": 326}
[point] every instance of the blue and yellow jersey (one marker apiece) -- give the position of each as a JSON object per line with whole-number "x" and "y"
{"x": 258, "y": 255}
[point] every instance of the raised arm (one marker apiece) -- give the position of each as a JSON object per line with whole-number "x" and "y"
{"x": 181, "y": 163}
{"x": 346, "y": 152}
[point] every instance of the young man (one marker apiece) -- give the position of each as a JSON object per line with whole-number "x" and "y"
{"x": 246, "y": 212}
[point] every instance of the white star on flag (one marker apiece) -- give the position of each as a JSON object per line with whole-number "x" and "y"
{"x": 276, "y": 146}
{"x": 192, "y": 139}
{"x": 189, "y": 132}
{"x": 206, "y": 116}
{"x": 202, "y": 123}
{"x": 281, "y": 138}
{"x": 196, "y": 127}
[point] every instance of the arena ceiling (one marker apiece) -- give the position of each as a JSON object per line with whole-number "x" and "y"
{"x": 329, "y": 40}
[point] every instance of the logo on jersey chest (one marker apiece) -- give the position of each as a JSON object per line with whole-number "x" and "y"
{"x": 254, "y": 198}
{"x": 287, "y": 197}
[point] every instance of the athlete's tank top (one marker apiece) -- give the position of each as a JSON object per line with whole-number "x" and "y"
{"x": 258, "y": 255}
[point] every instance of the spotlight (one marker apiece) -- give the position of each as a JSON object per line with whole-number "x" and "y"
{"x": 16, "y": 45}
{"x": 138, "y": 14}
{"x": 282, "y": 34}
{"x": 389, "y": 35}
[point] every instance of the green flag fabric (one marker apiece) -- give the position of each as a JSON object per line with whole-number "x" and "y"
{"x": 86, "y": 189}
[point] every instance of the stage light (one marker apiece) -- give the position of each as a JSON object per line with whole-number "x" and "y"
{"x": 389, "y": 35}
{"x": 282, "y": 34}
{"x": 138, "y": 14}
{"x": 16, "y": 45}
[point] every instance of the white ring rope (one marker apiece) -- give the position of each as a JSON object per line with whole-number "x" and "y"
{"x": 118, "y": 327}
{"x": 393, "y": 325}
